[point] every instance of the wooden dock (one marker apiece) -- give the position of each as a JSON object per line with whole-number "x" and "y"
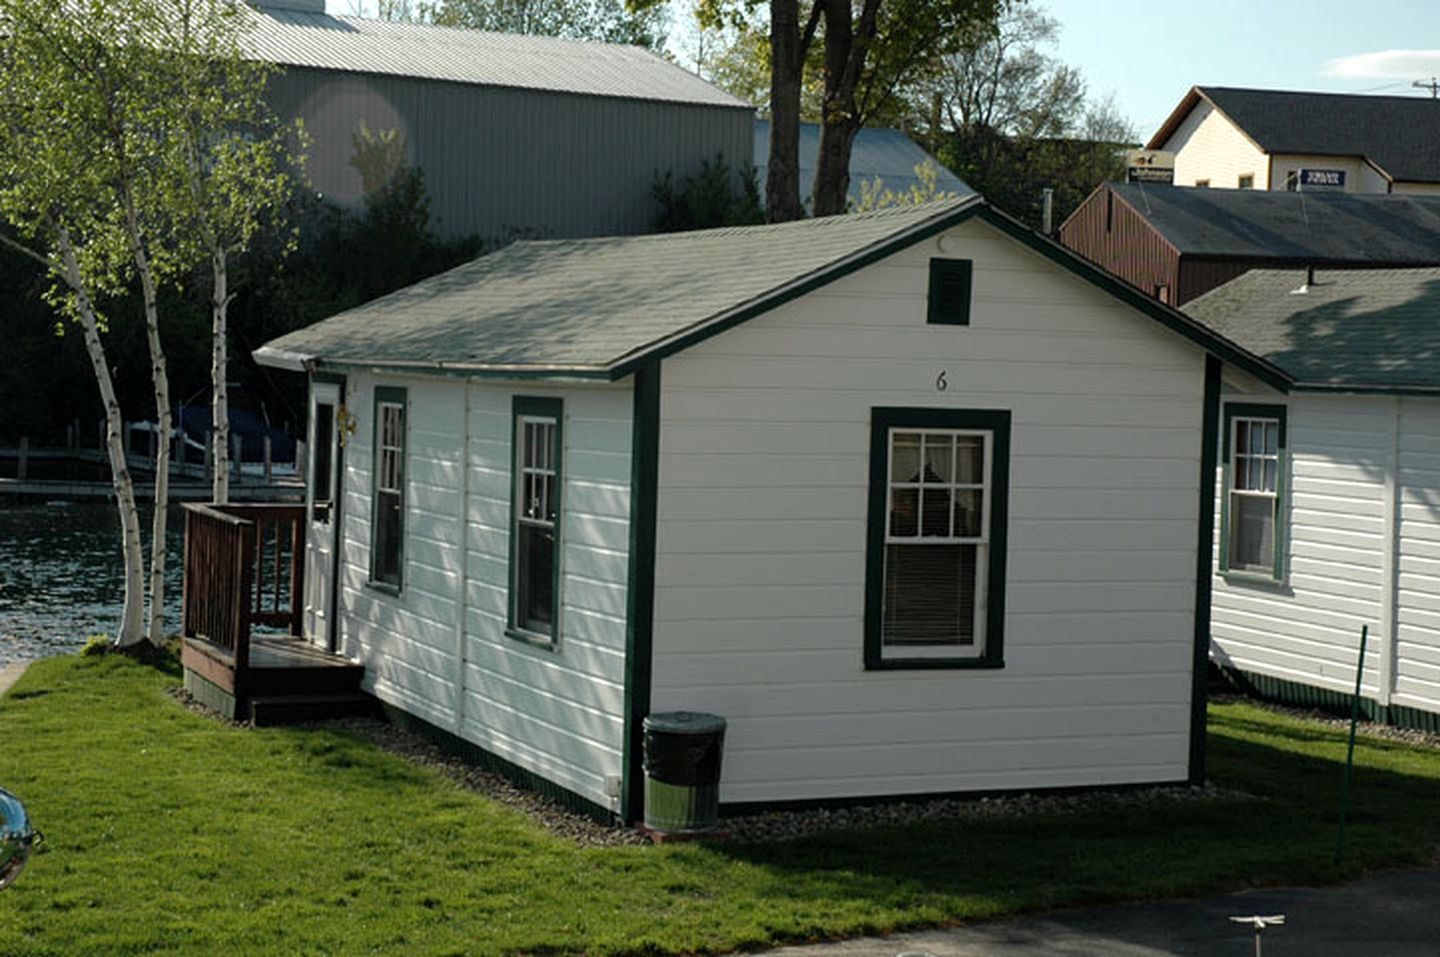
{"x": 181, "y": 490}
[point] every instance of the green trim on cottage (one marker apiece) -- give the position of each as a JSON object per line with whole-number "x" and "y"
{"x": 994, "y": 422}
{"x": 390, "y": 580}
{"x": 1204, "y": 557}
{"x": 546, "y": 408}
{"x": 1267, "y": 411}
{"x": 640, "y": 598}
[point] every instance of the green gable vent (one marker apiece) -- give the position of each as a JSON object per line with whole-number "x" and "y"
{"x": 950, "y": 292}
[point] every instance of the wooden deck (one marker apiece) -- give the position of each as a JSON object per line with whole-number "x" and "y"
{"x": 287, "y": 679}
{"x": 244, "y": 568}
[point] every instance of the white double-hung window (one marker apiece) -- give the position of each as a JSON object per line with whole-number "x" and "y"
{"x": 935, "y": 578}
{"x": 535, "y": 528}
{"x": 1252, "y": 530}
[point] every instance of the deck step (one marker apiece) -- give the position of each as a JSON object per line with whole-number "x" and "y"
{"x": 268, "y": 710}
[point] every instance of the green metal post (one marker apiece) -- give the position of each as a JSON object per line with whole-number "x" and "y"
{"x": 1350, "y": 751}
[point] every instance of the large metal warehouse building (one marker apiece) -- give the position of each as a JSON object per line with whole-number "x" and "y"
{"x": 516, "y": 135}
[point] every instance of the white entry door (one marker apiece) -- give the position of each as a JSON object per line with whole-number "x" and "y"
{"x": 321, "y": 494}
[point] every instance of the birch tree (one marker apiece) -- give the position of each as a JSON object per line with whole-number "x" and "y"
{"x": 142, "y": 116}
{"x": 55, "y": 192}
{"x": 226, "y": 173}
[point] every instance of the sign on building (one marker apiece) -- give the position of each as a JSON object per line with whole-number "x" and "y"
{"x": 1150, "y": 166}
{"x": 1326, "y": 179}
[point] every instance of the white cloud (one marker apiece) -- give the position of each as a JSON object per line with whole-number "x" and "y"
{"x": 1386, "y": 65}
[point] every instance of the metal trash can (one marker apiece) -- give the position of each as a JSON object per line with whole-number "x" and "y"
{"x": 682, "y": 771}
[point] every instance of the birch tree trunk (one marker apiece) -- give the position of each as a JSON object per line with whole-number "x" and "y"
{"x": 161, "y": 380}
{"x": 132, "y": 618}
{"x": 220, "y": 396}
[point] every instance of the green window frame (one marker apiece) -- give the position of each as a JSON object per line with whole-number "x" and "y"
{"x": 951, "y": 281}
{"x": 1253, "y": 503}
{"x": 536, "y": 518}
{"x": 938, "y": 507}
{"x": 387, "y": 488}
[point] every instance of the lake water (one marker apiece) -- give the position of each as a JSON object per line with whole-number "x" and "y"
{"x": 62, "y": 576}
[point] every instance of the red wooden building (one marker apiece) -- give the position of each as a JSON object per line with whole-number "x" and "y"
{"x": 1175, "y": 242}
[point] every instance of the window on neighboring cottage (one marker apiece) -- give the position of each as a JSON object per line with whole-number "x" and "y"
{"x": 535, "y": 523}
{"x": 387, "y": 532}
{"x": 950, "y": 281}
{"x": 1246, "y": 181}
{"x": 1252, "y": 510}
{"x": 1162, "y": 292}
{"x": 936, "y": 564}
{"x": 1202, "y": 184}
{"x": 1292, "y": 181}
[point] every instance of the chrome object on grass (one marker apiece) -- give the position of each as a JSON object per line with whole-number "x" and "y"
{"x": 17, "y": 838}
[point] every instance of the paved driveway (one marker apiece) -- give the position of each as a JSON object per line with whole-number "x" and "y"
{"x": 1396, "y": 914}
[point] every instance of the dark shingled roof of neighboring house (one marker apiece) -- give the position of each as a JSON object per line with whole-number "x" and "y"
{"x": 1314, "y": 228}
{"x": 1349, "y": 330}
{"x": 1398, "y": 134}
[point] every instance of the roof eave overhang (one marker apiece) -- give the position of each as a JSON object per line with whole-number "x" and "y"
{"x": 283, "y": 359}
{"x": 468, "y": 370}
{"x": 1177, "y": 115}
{"x": 1355, "y": 388}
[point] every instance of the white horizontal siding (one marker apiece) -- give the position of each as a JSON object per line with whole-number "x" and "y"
{"x": 1417, "y": 638}
{"x": 762, "y": 527}
{"x": 407, "y": 641}
{"x": 557, "y": 711}
{"x": 1307, "y": 628}
{"x": 438, "y": 649}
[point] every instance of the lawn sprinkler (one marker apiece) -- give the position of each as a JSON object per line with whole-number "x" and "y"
{"x": 1260, "y": 923}
{"x": 17, "y": 838}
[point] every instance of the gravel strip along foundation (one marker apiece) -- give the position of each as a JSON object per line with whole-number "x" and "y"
{"x": 772, "y": 827}
{"x": 1369, "y": 729}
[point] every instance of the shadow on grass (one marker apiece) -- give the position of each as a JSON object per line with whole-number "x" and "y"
{"x": 1285, "y": 833}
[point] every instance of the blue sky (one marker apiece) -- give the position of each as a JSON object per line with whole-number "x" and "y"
{"x": 1150, "y": 54}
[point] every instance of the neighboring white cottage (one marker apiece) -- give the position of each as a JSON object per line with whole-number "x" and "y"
{"x": 1283, "y": 140}
{"x": 911, "y": 498}
{"x": 1329, "y": 497}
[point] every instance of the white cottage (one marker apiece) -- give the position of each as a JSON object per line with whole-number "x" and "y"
{"x": 918, "y": 500}
{"x": 1329, "y": 492}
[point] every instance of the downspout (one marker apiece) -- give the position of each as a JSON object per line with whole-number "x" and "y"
{"x": 460, "y": 664}
{"x": 1390, "y": 566}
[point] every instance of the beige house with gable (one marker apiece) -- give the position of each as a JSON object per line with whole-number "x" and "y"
{"x": 1230, "y": 138}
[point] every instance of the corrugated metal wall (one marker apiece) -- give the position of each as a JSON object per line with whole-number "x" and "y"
{"x": 501, "y": 162}
{"x": 1110, "y": 234}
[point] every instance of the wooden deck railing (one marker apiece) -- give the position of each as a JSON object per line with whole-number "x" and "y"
{"x": 244, "y": 566}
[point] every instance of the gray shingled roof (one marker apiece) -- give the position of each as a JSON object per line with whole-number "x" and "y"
{"x": 1394, "y": 228}
{"x": 1352, "y": 329}
{"x": 322, "y": 41}
{"x": 584, "y": 306}
{"x": 1399, "y": 134}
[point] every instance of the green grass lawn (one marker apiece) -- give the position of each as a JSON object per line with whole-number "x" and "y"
{"x": 170, "y": 833}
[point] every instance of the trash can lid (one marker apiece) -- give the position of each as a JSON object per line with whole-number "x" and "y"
{"x": 685, "y": 722}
